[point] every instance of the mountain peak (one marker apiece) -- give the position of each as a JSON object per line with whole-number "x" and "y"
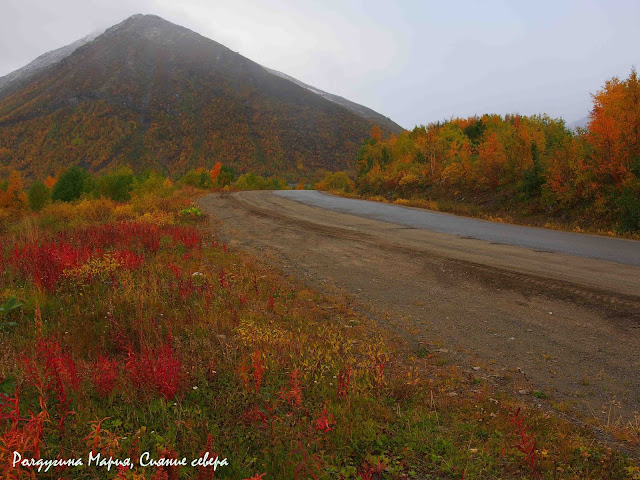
{"x": 142, "y": 20}
{"x": 150, "y": 26}
{"x": 153, "y": 94}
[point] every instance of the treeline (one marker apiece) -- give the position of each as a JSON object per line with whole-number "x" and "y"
{"x": 119, "y": 185}
{"x": 527, "y": 165}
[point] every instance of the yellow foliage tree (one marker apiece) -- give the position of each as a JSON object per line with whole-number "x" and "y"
{"x": 14, "y": 198}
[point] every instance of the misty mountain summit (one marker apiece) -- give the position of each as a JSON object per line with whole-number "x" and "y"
{"x": 154, "y": 94}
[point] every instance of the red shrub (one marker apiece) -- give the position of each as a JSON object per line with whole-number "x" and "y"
{"x": 3, "y": 258}
{"x": 379, "y": 371}
{"x": 206, "y": 473}
{"x": 258, "y": 369}
{"x": 257, "y": 477}
{"x": 52, "y": 371}
{"x": 123, "y": 235}
{"x": 294, "y": 394}
{"x": 258, "y": 416}
{"x": 19, "y": 434}
{"x": 186, "y": 288}
{"x": 344, "y": 381}
{"x": 189, "y": 237}
{"x": 168, "y": 472}
{"x": 105, "y": 375}
{"x": 45, "y": 263}
{"x": 324, "y": 421}
{"x": 156, "y": 370}
{"x": 175, "y": 270}
{"x": 526, "y": 441}
{"x": 119, "y": 337}
{"x": 243, "y": 373}
{"x": 128, "y": 259}
{"x": 222, "y": 278}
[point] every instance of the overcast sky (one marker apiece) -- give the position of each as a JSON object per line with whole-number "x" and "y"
{"x": 415, "y": 61}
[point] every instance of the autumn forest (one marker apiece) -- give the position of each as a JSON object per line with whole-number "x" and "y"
{"x": 526, "y": 165}
{"x": 531, "y": 167}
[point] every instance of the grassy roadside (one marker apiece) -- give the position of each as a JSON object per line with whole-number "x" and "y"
{"x": 140, "y": 331}
{"x": 473, "y": 210}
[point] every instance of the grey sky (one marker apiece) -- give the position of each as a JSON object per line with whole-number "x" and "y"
{"x": 414, "y": 61}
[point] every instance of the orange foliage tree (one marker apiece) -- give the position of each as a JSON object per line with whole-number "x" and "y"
{"x": 527, "y": 163}
{"x": 614, "y": 130}
{"x": 215, "y": 171}
{"x": 14, "y": 197}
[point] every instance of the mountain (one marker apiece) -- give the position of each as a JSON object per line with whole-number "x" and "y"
{"x": 581, "y": 123}
{"x": 356, "y": 108}
{"x": 152, "y": 94}
{"x": 22, "y": 75}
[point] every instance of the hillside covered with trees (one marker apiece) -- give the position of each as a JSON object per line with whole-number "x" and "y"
{"x": 154, "y": 95}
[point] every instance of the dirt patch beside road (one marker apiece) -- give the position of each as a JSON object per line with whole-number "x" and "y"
{"x": 541, "y": 324}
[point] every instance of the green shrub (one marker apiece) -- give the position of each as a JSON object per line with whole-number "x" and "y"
{"x": 72, "y": 184}
{"x": 116, "y": 185}
{"x": 191, "y": 214}
{"x": 152, "y": 184}
{"x": 39, "y": 195}
{"x": 198, "y": 178}
{"x": 629, "y": 207}
{"x": 336, "y": 181}
{"x": 226, "y": 177}
{"x": 251, "y": 181}
{"x": 533, "y": 179}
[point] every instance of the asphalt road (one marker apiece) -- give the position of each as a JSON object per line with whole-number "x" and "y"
{"x": 617, "y": 250}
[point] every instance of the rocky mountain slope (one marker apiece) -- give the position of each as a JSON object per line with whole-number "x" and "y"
{"x": 356, "y": 108}
{"x": 152, "y": 94}
{"x": 18, "y": 77}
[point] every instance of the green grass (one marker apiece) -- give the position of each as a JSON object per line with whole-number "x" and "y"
{"x": 264, "y": 374}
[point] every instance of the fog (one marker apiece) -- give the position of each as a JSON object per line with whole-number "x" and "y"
{"x": 413, "y": 61}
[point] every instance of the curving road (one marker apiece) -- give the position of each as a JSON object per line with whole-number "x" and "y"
{"x": 588, "y": 246}
{"x": 528, "y": 308}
